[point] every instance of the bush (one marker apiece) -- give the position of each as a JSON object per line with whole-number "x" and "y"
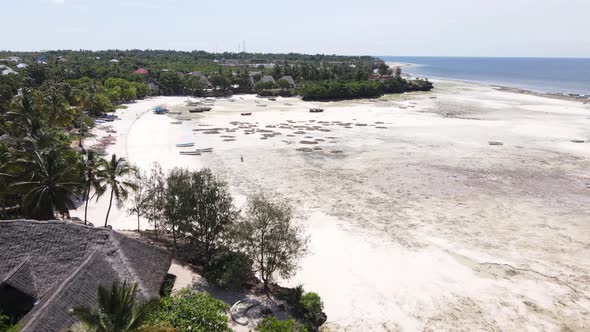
{"x": 271, "y": 324}
{"x": 313, "y": 310}
{"x": 191, "y": 311}
{"x": 342, "y": 90}
{"x": 306, "y": 307}
{"x": 264, "y": 86}
{"x": 229, "y": 270}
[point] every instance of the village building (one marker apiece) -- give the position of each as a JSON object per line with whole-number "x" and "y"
{"x": 288, "y": 79}
{"x": 48, "y": 267}
{"x": 5, "y": 70}
{"x": 267, "y": 79}
{"x": 231, "y": 62}
{"x": 141, "y": 71}
{"x": 153, "y": 86}
{"x": 203, "y": 78}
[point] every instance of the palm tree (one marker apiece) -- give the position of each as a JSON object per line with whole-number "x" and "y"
{"x": 112, "y": 175}
{"x": 49, "y": 182}
{"x": 92, "y": 174}
{"x": 23, "y": 116}
{"x": 117, "y": 310}
{"x": 57, "y": 109}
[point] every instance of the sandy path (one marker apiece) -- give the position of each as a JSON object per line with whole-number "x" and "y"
{"x": 416, "y": 222}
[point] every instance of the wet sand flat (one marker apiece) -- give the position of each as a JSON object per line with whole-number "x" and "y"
{"x": 416, "y": 221}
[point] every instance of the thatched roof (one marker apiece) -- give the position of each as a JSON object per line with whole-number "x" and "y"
{"x": 266, "y": 79}
{"x": 288, "y": 79}
{"x": 61, "y": 264}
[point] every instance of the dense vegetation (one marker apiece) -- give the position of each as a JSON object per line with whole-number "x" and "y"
{"x": 111, "y": 76}
{"x": 361, "y": 89}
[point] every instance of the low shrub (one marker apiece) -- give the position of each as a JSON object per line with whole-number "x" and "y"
{"x": 191, "y": 311}
{"x": 313, "y": 310}
{"x": 229, "y": 269}
{"x": 307, "y": 307}
{"x": 271, "y": 324}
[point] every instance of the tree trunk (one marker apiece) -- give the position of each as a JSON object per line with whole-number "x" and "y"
{"x": 174, "y": 236}
{"x": 138, "y": 230}
{"x": 106, "y": 220}
{"x": 86, "y": 205}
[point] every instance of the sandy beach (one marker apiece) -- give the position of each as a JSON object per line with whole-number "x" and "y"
{"x": 416, "y": 221}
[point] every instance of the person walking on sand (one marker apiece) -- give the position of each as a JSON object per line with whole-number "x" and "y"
{"x": 242, "y": 158}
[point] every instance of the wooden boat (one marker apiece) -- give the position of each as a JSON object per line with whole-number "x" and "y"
{"x": 200, "y": 109}
{"x": 192, "y": 102}
{"x": 174, "y": 112}
{"x": 246, "y": 113}
{"x": 206, "y": 150}
{"x": 272, "y": 99}
{"x": 316, "y": 110}
{"x": 176, "y": 122}
{"x": 185, "y": 145}
{"x": 190, "y": 153}
{"x": 261, "y": 105}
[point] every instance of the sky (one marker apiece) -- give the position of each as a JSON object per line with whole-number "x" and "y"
{"x": 519, "y": 28}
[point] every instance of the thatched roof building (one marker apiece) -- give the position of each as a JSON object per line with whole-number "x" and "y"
{"x": 266, "y": 79}
{"x": 289, "y": 80}
{"x": 47, "y": 267}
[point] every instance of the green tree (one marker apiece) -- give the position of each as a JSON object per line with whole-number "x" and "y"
{"x": 154, "y": 197}
{"x": 212, "y": 211}
{"x": 114, "y": 175}
{"x": 139, "y": 200}
{"x": 264, "y": 86}
{"x": 219, "y": 82}
{"x": 49, "y": 182}
{"x": 384, "y": 69}
{"x": 269, "y": 237}
{"x": 313, "y": 310}
{"x": 55, "y": 106}
{"x": 177, "y": 205}
{"x": 117, "y": 310}
{"x": 197, "y": 84}
{"x": 24, "y": 117}
{"x": 141, "y": 90}
{"x": 92, "y": 174}
{"x": 284, "y": 84}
